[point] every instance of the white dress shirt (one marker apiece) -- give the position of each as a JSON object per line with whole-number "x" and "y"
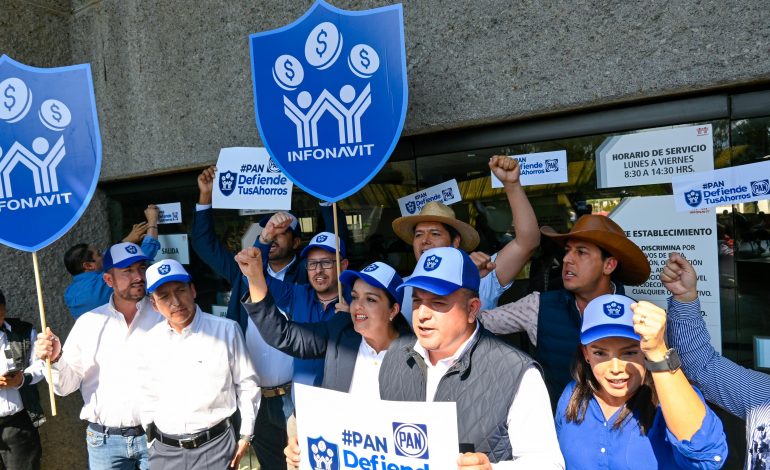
{"x": 10, "y": 399}
{"x": 531, "y": 429}
{"x": 366, "y": 373}
{"x": 101, "y": 357}
{"x": 197, "y": 378}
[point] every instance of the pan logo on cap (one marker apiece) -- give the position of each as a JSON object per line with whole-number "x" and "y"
{"x": 321, "y": 238}
{"x": 131, "y": 249}
{"x": 613, "y": 309}
{"x": 164, "y": 269}
{"x": 432, "y": 262}
{"x": 370, "y": 268}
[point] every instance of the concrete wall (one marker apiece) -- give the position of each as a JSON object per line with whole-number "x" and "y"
{"x": 174, "y": 85}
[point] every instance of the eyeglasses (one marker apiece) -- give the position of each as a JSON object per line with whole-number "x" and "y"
{"x": 324, "y": 263}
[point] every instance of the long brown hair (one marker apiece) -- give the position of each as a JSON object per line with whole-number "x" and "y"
{"x": 586, "y": 386}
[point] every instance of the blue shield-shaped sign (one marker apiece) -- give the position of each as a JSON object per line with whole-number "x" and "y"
{"x": 330, "y": 95}
{"x": 693, "y": 198}
{"x": 50, "y": 151}
{"x": 323, "y": 455}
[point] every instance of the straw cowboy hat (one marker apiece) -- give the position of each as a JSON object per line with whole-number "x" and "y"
{"x": 436, "y": 212}
{"x": 633, "y": 268}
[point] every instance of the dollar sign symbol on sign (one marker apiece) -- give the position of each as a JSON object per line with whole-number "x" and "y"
{"x": 320, "y": 42}
{"x": 365, "y": 61}
{"x": 289, "y": 71}
{"x": 55, "y": 112}
{"x": 8, "y": 94}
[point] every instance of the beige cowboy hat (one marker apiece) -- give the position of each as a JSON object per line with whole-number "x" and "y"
{"x": 436, "y": 212}
{"x": 633, "y": 268}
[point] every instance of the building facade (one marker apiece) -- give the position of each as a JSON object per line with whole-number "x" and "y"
{"x": 173, "y": 86}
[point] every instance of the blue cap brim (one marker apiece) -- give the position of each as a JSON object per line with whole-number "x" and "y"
{"x": 323, "y": 247}
{"x": 129, "y": 261}
{"x": 186, "y": 278}
{"x": 607, "y": 331}
{"x": 431, "y": 284}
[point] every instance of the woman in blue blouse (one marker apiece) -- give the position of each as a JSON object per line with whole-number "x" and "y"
{"x": 629, "y": 405}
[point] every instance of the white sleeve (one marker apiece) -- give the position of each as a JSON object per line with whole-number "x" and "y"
{"x": 36, "y": 366}
{"x": 530, "y": 427}
{"x": 68, "y": 371}
{"x": 245, "y": 382}
{"x": 202, "y": 207}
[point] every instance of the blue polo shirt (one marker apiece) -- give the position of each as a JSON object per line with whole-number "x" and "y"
{"x": 593, "y": 444}
{"x": 301, "y": 304}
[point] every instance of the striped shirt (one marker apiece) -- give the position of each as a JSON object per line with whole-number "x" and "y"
{"x": 743, "y": 392}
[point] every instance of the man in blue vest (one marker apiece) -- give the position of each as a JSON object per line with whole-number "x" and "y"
{"x": 598, "y": 259}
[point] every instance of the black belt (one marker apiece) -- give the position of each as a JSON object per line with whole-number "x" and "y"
{"x": 7, "y": 419}
{"x": 193, "y": 441}
{"x": 125, "y": 432}
{"x": 279, "y": 391}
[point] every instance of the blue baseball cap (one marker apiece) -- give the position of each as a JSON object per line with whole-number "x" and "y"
{"x": 608, "y": 316}
{"x": 293, "y": 226}
{"x": 325, "y": 241}
{"x": 123, "y": 255}
{"x": 168, "y": 270}
{"x": 377, "y": 274}
{"x": 444, "y": 270}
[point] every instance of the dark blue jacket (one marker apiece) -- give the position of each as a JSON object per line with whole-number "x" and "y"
{"x": 335, "y": 340}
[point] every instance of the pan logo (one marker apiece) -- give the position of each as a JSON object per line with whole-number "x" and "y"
{"x": 693, "y": 198}
{"x": 411, "y": 440}
{"x": 323, "y": 454}
{"x": 613, "y": 309}
{"x": 227, "y": 182}
{"x": 759, "y": 188}
{"x": 552, "y": 165}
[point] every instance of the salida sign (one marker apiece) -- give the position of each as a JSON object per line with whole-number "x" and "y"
{"x": 330, "y": 95}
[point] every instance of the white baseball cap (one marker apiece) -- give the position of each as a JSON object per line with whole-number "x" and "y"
{"x": 123, "y": 255}
{"x": 325, "y": 241}
{"x": 377, "y": 274}
{"x": 608, "y": 316}
{"x": 168, "y": 270}
{"x": 443, "y": 271}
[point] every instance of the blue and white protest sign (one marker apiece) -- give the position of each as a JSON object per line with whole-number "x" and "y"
{"x": 341, "y": 430}
{"x": 540, "y": 168}
{"x": 447, "y": 193}
{"x": 170, "y": 213}
{"x": 248, "y": 179}
{"x": 50, "y": 151}
{"x": 653, "y": 157}
{"x": 744, "y": 183}
{"x": 330, "y": 95}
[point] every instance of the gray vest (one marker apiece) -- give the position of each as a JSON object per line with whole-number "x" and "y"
{"x": 483, "y": 383}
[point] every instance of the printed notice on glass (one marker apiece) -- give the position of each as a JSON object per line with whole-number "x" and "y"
{"x": 656, "y": 227}
{"x": 175, "y": 247}
{"x": 654, "y": 157}
{"x": 447, "y": 193}
{"x": 540, "y": 168}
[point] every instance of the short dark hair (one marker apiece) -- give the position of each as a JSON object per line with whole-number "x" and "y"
{"x": 2, "y": 298}
{"x": 452, "y": 232}
{"x": 75, "y": 257}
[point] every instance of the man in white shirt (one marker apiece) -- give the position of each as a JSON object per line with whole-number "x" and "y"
{"x": 197, "y": 372}
{"x": 19, "y": 400}
{"x": 101, "y": 358}
{"x": 503, "y": 412}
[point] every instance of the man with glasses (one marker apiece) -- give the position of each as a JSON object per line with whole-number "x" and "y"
{"x": 101, "y": 358}
{"x": 84, "y": 262}
{"x": 311, "y": 303}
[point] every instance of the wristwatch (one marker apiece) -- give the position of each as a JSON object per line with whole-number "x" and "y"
{"x": 246, "y": 438}
{"x": 670, "y": 362}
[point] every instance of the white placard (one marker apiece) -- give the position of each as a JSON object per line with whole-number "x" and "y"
{"x": 658, "y": 229}
{"x": 654, "y": 157}
{"x": 170, "y": 213}
{"x": 447, "y": 192}
{"x": 739, "y": 184}
{"x": 219, "y": 310}
{"x": 248, "y": 179}
{"x": 373, "y": 434}
{"x": 174, "y": 247}
{"x": 540, "y": 168}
